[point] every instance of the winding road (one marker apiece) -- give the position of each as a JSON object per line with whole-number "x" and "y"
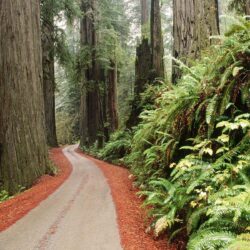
{"x": 80, "y": 215}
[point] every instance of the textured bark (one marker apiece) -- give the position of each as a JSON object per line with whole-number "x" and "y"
{"x": 143, "y": 67}
{"x": 145, "y": 18}
{"x": 247, "y": 9}
{"x": 22, "y": 130}
{"x": 194, "y": 22}
{"x": 144, "y": 12}
{"x": 142, "y": 76}
{"x": 83, "y": 117}
{"x": 49, "y": 74}
{"x": 112, "y": 114}
{"x": 90, "y": 113}
{"x": 157, "y": 40}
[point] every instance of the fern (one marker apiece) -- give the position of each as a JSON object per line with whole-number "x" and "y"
{"x": 208, "y": 240}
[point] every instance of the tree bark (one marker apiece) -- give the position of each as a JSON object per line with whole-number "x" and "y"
{"x": 143, "y": 66}
{"x": 145, "y": 18}
{"x": 157, "y": 40}
{"x": 49, "y": 84}
{"x": 247, "y": 9}
{"x": 112, "y": 97}
{"x": 23, "y": 156}
{"x": 90, "y": 115}
{"x": 194, "y": 22}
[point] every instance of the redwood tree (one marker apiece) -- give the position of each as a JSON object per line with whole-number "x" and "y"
{"x": 149, "y": 63}
{"x": 145, "y": 11}
{"x": 112, "y": 114}
{"x": 194, "y": 22}
{"x": 247, "y": 8}
{"x": 48, "y": 56}
{"x": 143, "y": 65}
{"x": 90, "y": 113}
{"x": 157, "y": 40}
{"x": 23, "y": 154}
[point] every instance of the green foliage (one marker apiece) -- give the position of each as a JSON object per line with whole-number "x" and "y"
{"x": 118, "y": 146}
{"x": 212, "y": 90}
{"x": 65, "y": 133}
{"x": 211, "y": 240}
{"x": 239, "y": 6}
{"x": 207, "y": 194}
{"x": 55, "y": 14}
{"x": 4, "y": 195}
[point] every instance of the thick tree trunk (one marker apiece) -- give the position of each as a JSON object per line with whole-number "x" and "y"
{"x": 142, "y": 73}
{"x": 157, "y": 40}
{"x": 143, "y": 66}
{"x": 112, "y": 97}
{"x": 194, "y": 22}
{"x": 90, "y": 115}
{"x": 84, "y": 27}
{"x": 49, "y": 74}
{"x": 23, "y": 156}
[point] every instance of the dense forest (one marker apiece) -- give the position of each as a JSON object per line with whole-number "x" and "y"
{"x": 161, "y": 87}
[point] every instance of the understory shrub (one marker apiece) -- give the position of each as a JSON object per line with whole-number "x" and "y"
{"x": 214, "y": 89}
{"x": 117, "y": 148}
{"x": 197, "y": 140}
{"x": 65, "y": 132}
{"x": 208, "y": 192}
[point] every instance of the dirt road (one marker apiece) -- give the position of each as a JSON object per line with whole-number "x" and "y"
{"x": 80, "y": 215}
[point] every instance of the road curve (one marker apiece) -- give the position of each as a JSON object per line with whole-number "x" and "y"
{"x": 80, "y": 215}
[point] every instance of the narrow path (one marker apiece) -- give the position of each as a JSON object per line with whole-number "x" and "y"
{"x": 79, "y": 215}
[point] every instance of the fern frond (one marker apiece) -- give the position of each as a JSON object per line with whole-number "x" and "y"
{"x": 208, "y": 240}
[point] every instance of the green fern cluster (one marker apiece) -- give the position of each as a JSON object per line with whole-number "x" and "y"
{"x": 215, "y": 88}
{"x": 207, "y": 194}
{"x": 118, "y": 147}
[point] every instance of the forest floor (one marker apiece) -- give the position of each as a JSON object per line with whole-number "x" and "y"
{"x": 127, "y": 207}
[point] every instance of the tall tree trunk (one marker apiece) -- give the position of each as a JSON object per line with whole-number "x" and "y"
{"x": 143, "y": 66}
{"x": 83, "y": 117}
{"x": 112, "y": 97}
{"x": 23, "y": 156}
{"x": 49, "y": 73}
{"x": 157, "y": 40}
{"x": 194, "y": 22}
{"x": 145, "y": 18}
{"x": 90, "y": 114}
{"x": 247, "y": 7}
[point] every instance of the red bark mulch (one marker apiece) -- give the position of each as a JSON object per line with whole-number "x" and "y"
{"x": 131, "y": 217}
{"x": 14, "y": 209}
